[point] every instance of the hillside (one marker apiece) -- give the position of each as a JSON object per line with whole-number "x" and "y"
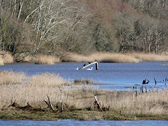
{"x": 82, "y": 26}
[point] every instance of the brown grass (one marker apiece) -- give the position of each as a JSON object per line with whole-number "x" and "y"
{"x": 150, "y": 57}
{"x": 48, "y": 79}
{"x": 5, "y": 57}
{"x": 34, "y": 90}
{"x": 147, "y": 103}
{"x": 10, "y": 78}
{"x": 1, "y": 61}
{"x": 72, "y": 57}
{"x": 100, "y": 57}
{"x": 18, "y": 87}
{"x": 8, "y": 58}
{"x": 45, "y": 59}
{"x": 115, "y": 57}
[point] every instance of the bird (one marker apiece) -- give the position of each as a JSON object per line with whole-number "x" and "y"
{"x": 145, "y": 81}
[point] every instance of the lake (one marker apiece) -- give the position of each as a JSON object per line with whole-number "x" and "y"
{"x": 82, "y": 123}
{"x": 110, "y": 76}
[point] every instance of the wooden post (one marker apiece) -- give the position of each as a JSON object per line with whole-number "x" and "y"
{"x": 96, "y": 65}
{"x": 155, "y": 81}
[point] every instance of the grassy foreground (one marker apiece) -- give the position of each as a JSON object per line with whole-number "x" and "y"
{"x": 50, "y": 97}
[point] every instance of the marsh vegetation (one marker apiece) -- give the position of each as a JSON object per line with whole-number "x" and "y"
{"x": 99, "y": 56}
{"x": 25, "y": 97}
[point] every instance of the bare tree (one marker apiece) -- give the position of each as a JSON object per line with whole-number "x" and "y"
{"x": 53, "y": 19}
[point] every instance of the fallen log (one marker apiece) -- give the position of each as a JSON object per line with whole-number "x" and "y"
{"x": 28, "y": 107}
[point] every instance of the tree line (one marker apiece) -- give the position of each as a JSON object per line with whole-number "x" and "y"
{"x": 29, "y": 27}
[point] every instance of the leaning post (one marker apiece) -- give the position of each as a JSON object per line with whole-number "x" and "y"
{"x": 97, "y": 66}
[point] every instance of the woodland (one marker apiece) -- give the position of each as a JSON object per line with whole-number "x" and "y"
{"x": 53, "y": 27}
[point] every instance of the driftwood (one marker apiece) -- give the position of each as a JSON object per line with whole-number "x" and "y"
{"x": 28, "y": 107}
{"x": 97, "y": 104}
{"x": 49, "y": 104}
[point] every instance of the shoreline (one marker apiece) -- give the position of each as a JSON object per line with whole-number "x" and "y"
{"x": 103, "y": 57}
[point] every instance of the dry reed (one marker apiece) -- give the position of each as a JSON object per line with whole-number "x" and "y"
{"x": 10, "y": 78}
{"x": 150, "y": 57}
{"x": 48, "y": 79}
{"x": 100, "y": 57}
{"x": 8, "y": 58}
{"x": 114, "y": 57}
{"x": 45, "y": 59}
{"x": 146, "y": 103}
{"x": 34, "y": 90}
{"x": 72, "y": 57}
{"x": 5, "y": 57}
{"x": 1, "y": 61}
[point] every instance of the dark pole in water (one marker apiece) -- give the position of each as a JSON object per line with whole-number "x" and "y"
{"x": 155, "y": 81}
{"x": 96, "y": 66}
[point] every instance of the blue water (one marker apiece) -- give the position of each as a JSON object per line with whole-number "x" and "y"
{"x": 83, "y": 123}
{"x": 109, "y": 75}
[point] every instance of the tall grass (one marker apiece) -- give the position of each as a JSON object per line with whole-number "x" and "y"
{"x": 45, "y": 59}
{"x": 34, "y": 90}
{"x": 5, "y": 57}
{"x": 114, "y": 57}
{"x": 16, "y": 86}
{"x": 150, "y": 57}
{"x": 72, "y": 57}
{"x": 48, "y": 79}
{"x": 100, "y": 57}
{"x": 10, "y": 78}
{"x": 153, "y": 103}
{"x": 1, "y": 61}
{"x": 8, "y": 58}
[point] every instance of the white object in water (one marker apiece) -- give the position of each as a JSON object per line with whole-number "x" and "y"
{"x": 90, "y": 68}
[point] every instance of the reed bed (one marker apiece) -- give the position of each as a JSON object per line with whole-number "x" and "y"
{"x": 35, "y": 90}
{"x": 11, "y": 78}
{"x": 99, "y": 56}
{"x": 5, "y": 57}
{"x": 1, "y": 61}
{"x": 144, "y": 103}
{"x": 150, "y": 57}
{"x": 45, "y": 59}
{"x": 8, "y": 58}
{"x": 114, "y": 57}
{"x": 72, "y": 57}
